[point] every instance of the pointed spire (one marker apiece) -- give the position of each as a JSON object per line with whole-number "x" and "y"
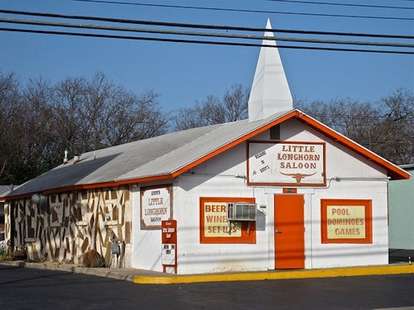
{"x": 270, "y": 91}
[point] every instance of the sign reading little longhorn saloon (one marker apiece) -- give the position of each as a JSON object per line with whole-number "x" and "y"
{"x": 286, "y": 163}
{"x": 155, "y": 207}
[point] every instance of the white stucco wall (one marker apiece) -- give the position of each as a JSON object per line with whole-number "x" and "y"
{"x": 146, "y": 250}
{"x": 224, "y": 176}
{"x": 320, "y": 255}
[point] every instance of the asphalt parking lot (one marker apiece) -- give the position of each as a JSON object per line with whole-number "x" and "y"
{"x": 22, "y": 288}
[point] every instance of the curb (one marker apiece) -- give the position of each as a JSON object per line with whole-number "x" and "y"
{"x": 72, "y": 269}
{"x": 277, "y": 275}
{"x": 224, "y": 277}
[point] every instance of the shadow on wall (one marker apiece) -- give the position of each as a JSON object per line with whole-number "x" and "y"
{"x": 217, "y": 166}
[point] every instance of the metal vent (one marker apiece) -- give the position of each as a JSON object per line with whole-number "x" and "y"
{"x": 240, "y": 211}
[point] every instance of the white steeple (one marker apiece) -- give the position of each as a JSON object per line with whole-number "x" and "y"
{"x": 270, "y": 91}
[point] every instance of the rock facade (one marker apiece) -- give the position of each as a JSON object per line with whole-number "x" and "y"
{"x": 70, "y": 224}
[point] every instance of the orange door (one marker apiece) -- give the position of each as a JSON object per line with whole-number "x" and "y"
{"x": 289, "y": 232}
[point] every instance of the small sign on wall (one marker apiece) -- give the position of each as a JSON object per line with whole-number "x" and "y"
{"x": 346, "y": 221}
{"x": 286, "y": 163}
{"x": 156, "y": 206}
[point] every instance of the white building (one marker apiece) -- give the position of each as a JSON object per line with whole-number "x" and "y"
{"x": 316, "y": 198}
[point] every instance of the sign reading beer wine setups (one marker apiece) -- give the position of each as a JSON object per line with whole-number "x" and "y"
{"x": 286, "y": 163}
{"x": 346, "y": 221}
{"x": 156, "y": 206}
{"x": 214, "y": 224}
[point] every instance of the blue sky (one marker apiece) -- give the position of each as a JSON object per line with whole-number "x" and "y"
{"x": 182, "y": 74}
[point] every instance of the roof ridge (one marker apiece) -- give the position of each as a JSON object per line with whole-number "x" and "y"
{"x": 181, "y": 146}
{"x": 147, "y": 139}
{"x": 258, "y": 125}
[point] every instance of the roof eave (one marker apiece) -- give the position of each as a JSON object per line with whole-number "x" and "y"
{"x": 393, "y": 171}
{"x": 80, "y": 187}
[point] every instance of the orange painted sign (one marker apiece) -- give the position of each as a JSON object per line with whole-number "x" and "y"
{"x": 346, "y": 221}
{"x": 169, "y": 232}
{"x": 216, "y": 223}
{"x": 169, "y": 245}
{"x": 215, "y": 226}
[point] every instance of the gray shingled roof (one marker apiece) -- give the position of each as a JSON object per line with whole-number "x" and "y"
{"x": 144, "y": 158}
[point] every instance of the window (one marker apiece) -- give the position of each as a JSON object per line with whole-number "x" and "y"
{"x": 214, "y": 224}
{"x": 346, "y": 221}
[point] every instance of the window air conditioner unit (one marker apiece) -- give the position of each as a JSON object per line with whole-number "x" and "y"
{"x": 241, "y": 211}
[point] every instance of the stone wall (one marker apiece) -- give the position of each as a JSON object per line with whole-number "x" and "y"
{"x": 70, "y": 224}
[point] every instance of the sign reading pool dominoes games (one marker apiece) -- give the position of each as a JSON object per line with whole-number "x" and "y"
{"x": 346, "y": 221}
{"x": 286, "y": 163}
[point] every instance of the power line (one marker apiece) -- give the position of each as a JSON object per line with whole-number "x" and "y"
{"x": 346, "y": 4}
{"x": 205, "y": 26}
{"x": 107, "y": 36}
{"x": 210, "y": 8}
{"x": 399, "y": 0}
{"x": 202, "y": 34}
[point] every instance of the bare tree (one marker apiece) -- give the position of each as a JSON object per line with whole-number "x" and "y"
{"x": 386, "y": 127}
{"x": 397, "y": 127}
{"x": 212, "y": 110}
{"x": 98, "y": 113}
{"x": 41, "y": 120}
{"x": 11, "y": 108}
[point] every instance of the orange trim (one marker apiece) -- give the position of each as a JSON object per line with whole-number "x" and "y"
{"x": 95, "y": 186}
{"x": 166, "y": 176}
{"x": 248, "y": 234}
{"x": 346, "y": 202}
{"x": 395, "y": 171}
{"x": 289, "y": 233}
{"x": 235, "y": 143}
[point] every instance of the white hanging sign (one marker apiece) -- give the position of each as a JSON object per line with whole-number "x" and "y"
{"x": 286, "y": 163}
{"x": 156, "y": 206}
